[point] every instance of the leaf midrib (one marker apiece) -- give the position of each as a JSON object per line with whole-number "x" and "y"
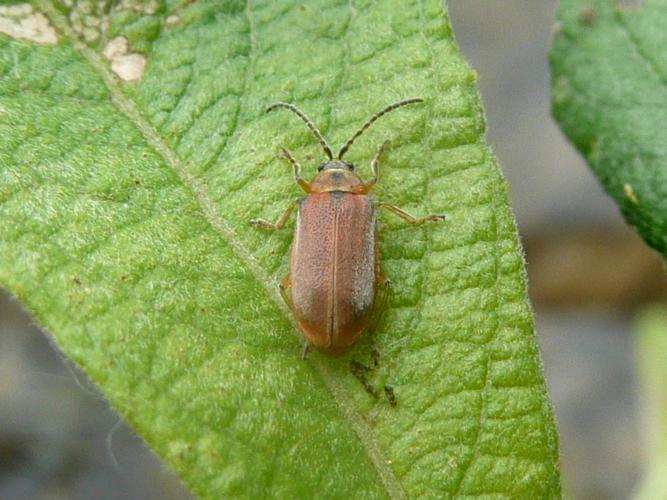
{"x": 339, "y": 394}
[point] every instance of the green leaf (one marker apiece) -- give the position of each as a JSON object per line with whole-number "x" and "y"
{"x": 609, "y": 77}
{"x": 124, "y": 209}
{"x": 651, "y": 348}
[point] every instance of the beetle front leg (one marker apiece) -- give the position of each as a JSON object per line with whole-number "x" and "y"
{"x": 296, "y": 169}
{"x": 411, "y": 218}
{"x": 375, "y": 168}
{"x": 280, "y": 223}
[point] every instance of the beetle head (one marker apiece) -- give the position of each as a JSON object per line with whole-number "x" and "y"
{"x": 335, "y": 164}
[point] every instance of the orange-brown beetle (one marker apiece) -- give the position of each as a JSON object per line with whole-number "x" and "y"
{"x": 335, "y": 276}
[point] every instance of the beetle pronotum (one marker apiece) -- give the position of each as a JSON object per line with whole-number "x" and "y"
{"x": 335, "y": 277}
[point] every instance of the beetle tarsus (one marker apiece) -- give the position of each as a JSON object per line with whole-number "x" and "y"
{"x": 434, "y": 218}
{"x": 391, "y": 396}
{"x": 359, "y": 370}
{"x": 265, "y": 224}
{"x": 261, "y": 223}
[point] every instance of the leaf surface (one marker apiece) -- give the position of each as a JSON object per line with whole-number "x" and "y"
{"x": 124, "y": 209}
{"x": 651, "y": 349}
{"x": 609, "y": 78}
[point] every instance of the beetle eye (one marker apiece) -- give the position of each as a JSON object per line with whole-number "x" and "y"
{"x": 321, "y": 167}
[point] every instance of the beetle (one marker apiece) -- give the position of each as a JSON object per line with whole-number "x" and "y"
{"x": 335, "y": 287}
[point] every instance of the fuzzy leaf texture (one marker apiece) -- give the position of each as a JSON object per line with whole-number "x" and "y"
{"x": 651, "y": 349}
{"x": 124, "y": 210}
{"x": 609, "y": 79}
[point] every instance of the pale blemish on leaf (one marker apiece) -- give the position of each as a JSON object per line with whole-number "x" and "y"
{"x": 21, "y": 21}
{"x": 172, "y": 20}
{"x": 128, "y": 66}
{"x": 88, "y": 18}
{"x": 149, "y": 7}
{"x": 630, "y": 193}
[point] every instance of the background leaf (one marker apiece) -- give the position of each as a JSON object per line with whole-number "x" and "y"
{"x": 651, "y": 346}
{"x": 609, "y": 77}
{"x": 124, "y": 208}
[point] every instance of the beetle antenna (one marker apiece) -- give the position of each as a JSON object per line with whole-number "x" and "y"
{"x": 311, "y": 125}
{"x": 372, "y": 119}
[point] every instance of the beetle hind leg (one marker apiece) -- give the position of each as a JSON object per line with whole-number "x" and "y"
{"x": 307, "y": 347}
{"x": 384, "y": 290}
{"x": 285, "y": 285}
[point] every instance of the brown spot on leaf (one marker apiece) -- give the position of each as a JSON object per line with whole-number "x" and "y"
{"x": 588, "y": 15}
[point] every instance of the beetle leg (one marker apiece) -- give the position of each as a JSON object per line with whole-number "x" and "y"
{"x": 375, "y": 167}
{"x": 391, "y": 395}
{"x": 297, "y": 170}
{"x": 359, "y": 370}
{"x": 411, "y": 218}
{"x": 284, "y": 285}
{"x": 383, "y": 292}
{"x": 307, "y": 347}
{"x": 375, "y": 357}
{"x": 280, "y": 223}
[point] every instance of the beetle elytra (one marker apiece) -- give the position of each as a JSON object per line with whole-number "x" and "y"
{"x": 335, "y": 287}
